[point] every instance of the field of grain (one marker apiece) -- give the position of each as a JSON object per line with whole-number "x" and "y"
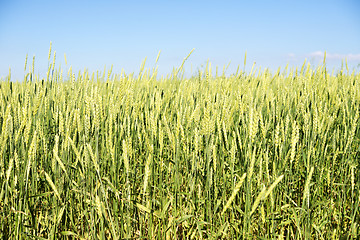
{"x": 254, "y": 155}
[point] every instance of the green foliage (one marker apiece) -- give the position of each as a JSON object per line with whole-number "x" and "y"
{"x": 256, "y": 155}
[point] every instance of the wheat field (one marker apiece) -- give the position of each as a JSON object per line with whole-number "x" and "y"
{"x": 254, "y": 155}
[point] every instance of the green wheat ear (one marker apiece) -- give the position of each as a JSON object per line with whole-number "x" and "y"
{"x": 157, "y": 58}
{"x": 306, "y": 195}
{"x": 235, "y": 191}
{"x": 25, "y": 63}
{"x": 52, "y": 185}
{"x": 49, "y": 51}
{"x": 245, "y": 61}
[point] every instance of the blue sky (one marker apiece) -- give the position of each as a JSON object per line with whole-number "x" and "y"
{"x": 95, "y": 34}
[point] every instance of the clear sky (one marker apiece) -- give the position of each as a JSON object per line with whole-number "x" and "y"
{"x": 95, "y": 34}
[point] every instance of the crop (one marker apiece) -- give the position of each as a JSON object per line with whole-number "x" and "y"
{"x": 251, "y": 155}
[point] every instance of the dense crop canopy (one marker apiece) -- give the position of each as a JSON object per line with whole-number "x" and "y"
{"x": 116, "y": 156}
